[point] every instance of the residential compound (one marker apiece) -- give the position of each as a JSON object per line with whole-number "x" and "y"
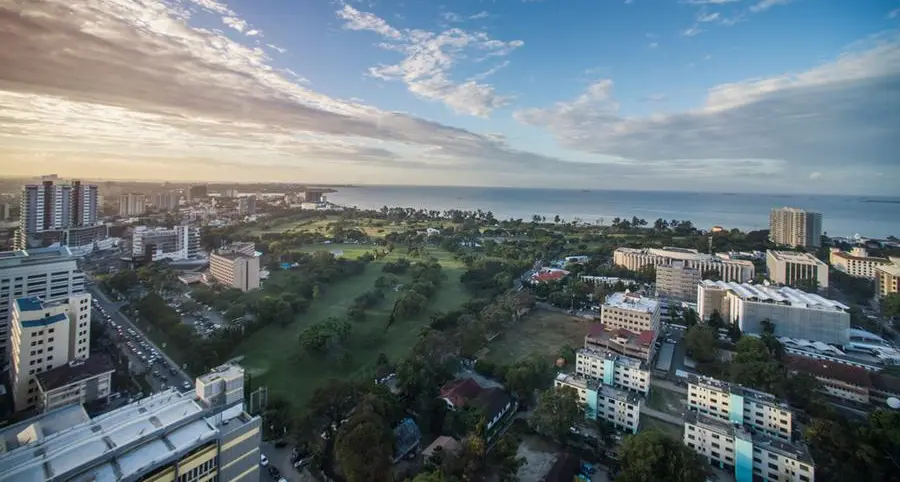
{"x": 728, "y": 269}
{"x": 677, "y": 281}
{"x": 613, "y": 369}
{"x": 236, "y": 266}
{"x": 795, "y": 227}
{"x": 744, "y": 430}
{"x": 619, "y": 407}
{"x": 790, "y": 268}
{"x": 887, "y": 277}
{"x": 54, "y": 213}
{"x": 794, "y": 313}
{"x": 179, "y": 243}
{"x": 44, "y": 336}
{"x": 857, "y": 262}
{"x": 168, "y": 436}
{"x": 49, "y": 273}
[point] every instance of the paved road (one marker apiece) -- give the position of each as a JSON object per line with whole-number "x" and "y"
{"x": 112, "y": 309}
{"x": 281, "y": 459}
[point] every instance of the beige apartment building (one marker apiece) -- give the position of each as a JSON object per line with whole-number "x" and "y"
{"x": 887, "y": 277}
{"x": 795, "y": 227}
{"x": 630, "y": 311}
{"x": 236, "y": 266}
{"x": 613, "y": 369}
{"x": 677, "y": 281}
{"x": 739, "y": 405}
{"x": 729, "y": 269}
{"x": 45, "y": 335}
{"x": 789, "y": 268}
{"x": 856, "y": 263}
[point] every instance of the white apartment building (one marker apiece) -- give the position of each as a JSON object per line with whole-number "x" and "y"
{"x": 749, "y": 455}
{"x": 179, "y": 243}
{"x": 857, "y": 262}
{"x": 49, "y": 273}
{"x": 132, "y": 204}
{"x": 613, "y": 369}
{"x": 887, "y": 278}
{"x": 728, "y": 269}
{"x": 794, "y": 313}
{"x": 45, "y": 335}
{"x": 789, "y": 268}
{"x": 630, "y": 311}
{"x": 677, "y": 281}
{"x": 620, "y": 408}
{"x": 795, "y": 227}
{"x": 236, "y": 265}
{"x": 166, "y": 200}
{"x": 739, "y": 405}
{"x": 49, "y": 209}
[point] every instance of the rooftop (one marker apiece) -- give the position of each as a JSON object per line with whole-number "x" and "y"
{"x": 776, "y": 294}
{"x": 795, "y": 257}
{"x": 795, "y": 450}
{"x": 722, "y": 386}
{"x": 74, "y": 372}
{"x": 600, "y": 332}
{"x": 849, "y": 256}
{"x": 458, "y": 392}
{"x": 619, "y": 359}
{"x": 620, "y": 395}
{"x": 892, "y": 269}
{"x": 632, "y": 302}
{"x": 222, "y": 372}
{"x": 446, "y": 445}
{"x": 683, "y": 254}
{"x": 826, "y": 369}
{"x": 30, "y": 303}
{"x": 35, "y": 256}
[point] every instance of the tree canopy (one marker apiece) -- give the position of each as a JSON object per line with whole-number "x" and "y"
{"x": 651, "y": 455}
{"x": 557, "y": 410}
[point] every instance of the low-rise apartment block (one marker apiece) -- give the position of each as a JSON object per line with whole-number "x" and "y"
{"x": 79, "y": 381}
{"x": 630, "y": 311}
{"x": 750, "y": 455}
{"x": 887, "y": 278}
{"x": 790, "y": 268}
{"x": 236, "y": 266}
{"x": 677, "y": 281}
{"x": 794, "y": 313}
{"x": 739, "y": 405}
{"x": 621, "y": 341}
{"x": 856, "y": 263}
{"x": 613, "y": 369}
{"x": 728, "y": 269}
{"x": 619, "y": 407}
{"x": 837, "y": 380}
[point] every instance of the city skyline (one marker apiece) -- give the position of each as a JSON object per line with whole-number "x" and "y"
{"x": 690, "y": 95}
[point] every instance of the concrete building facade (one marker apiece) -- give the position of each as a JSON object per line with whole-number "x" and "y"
{"x": 49, "y": 273}
{"x": 613, "y": 369}
{"x": 789, "y": 268}
{"x": 795, "y": 227}
{"x": 887, "y": 278}
{"x": 166, "y": 200}
{"x": 179, "y": 243}
{"x": 630, "y": 311}
{"x": 44, "y": 336}
{"x": 237, "y": 266}
{"x": 677, "y": 281}
{"x": 728, "y": 269}
{"x": 50, "y": 208}
{"x": 857, "y": 262}
{"x": 741, "y": 406}
{"x": 618, "y": 407}
{"x": 79, "y": 381}
{"x": 132, "y": 204}
{"x": 794, "y": 313}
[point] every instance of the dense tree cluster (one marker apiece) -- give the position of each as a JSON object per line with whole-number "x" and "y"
{"x": 652, "y": 455}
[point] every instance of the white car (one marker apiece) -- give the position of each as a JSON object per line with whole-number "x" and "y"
{"x": 263, "y": 460}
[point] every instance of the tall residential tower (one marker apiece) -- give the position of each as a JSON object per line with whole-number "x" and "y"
{"x": 48, "y": 210}
{"x": 795, "y": 227}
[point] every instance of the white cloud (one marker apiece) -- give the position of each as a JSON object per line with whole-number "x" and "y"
{"x": 764, "y": 5}
{"x": 692, "y": 31}
{"x": 708, "y": 17}
{"x": 653, "y": 45}
{"x": 841, "y": 112}
{"x": 429, "y": 59}
{"x": 276, "y": 48}
{"x": 236, "y": 23}
{"x": 451, "y": 17}
{"x": 894, "y": 13}
{"x": 480, "y": 15}
{"x": 815, "y": 175}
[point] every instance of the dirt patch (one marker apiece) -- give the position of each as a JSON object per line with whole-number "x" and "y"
{"x": 539, "y": 459}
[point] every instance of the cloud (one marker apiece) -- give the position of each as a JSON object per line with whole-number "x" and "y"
{"x": 764, "y": 5}
{"x": 480, "y": 15}
{"x": 841, "y": 112}
{"x": 653, "y": 45}
{"x": 430, "y": 58}
{"x": 451, "y": 17}
{"x": 815, "y": 175}
{"x": 708, "y": 2}
{"x": 692, "y": 31}
{"x": 236, "y": 23}
{"x": 276, "y": 48}
{"x": 708, "y": 17}
{"x": 894, "y": 13}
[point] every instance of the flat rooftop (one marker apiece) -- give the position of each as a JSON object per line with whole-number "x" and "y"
{"x": 222, "y": 372}
{"x": 75, "y": 372}
{"x": 795, "y": 257}
{"x": 683, "y": 254}
{"x": 776, "y": 294}
{"x": 748, "y": 393}
{"x": 632, "y": 302}
{"x": 35, "y": 256}
{"x": 601, "y": 389}
{"x": 608, "y": 355}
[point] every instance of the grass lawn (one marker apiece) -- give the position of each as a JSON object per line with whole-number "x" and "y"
{"x": 349, "y": 251}
{"x": 273, "y": 355}
{"x": 538, "y": 333}
{"x": 672, "y": 430}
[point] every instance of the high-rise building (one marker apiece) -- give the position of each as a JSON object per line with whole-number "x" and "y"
{"x": 790, "y": 268}
{"x": 132, "y": 204}
{"x": 44, "y": 336}
{"x": 728, "y": 269}
{"x": 247, "y": 205}
{"x": 198, "y": 192}
{"x": 5, "y": 211}
{"x": 677, "y": 281}
{"x": 165, "y": 437}
{"x": 49, "y": 273}
{"x": 236, "y": 266}
{"x": 795, "y": 227}
{"x": 166, "y": 200}
{"x": 48, "y": 209}
{"x": 179, "y": 243}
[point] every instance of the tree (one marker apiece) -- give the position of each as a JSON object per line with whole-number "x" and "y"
{"x": 652, "y": 455}
{"x": 715, "y": 320}
{"x": 700, "y": 341}
{"x": 890, "y": 305}
{"x": 556, "y": 412}
{"x": 755, "y": 366}
{"x": 364, "y": 446}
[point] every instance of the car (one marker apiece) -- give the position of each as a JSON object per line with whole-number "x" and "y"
{"x": 186, "y": 385}
{"x": 263, "y": 460}
{"x": 274, "y": 472}
{"x": 302, "y": 463}
{"x": 282, "y": 479}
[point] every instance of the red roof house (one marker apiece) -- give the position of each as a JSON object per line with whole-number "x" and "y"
{"x": 457, "y": 392}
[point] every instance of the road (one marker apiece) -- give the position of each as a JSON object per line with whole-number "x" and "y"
{"x": 112, "y": 309}
{"x": 280, "y": 458}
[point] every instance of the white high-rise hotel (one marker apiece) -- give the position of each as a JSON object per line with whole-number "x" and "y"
{"x": 795, "y": 227}
{"x": 50, "y": 207}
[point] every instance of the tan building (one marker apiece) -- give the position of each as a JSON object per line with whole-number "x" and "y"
{"x": 789, "y": 268}
{"x": 739, "y": 405}
{"x": 886, "y": 278}
{"x": 856, "y": 263}
{"x": 45, "y": 336}
{"x": 630, "y": 311}
{"x": 613, "y": 369}
{"x": 236, "y": 265}
{"x": 837, "y": 379}
{"x": 729, "y": 269}
{"x": 677, "y": 281}
{"x": 79, "y": 381}
{"x": 621, "y": 341}
{"x": 795, "y": 227}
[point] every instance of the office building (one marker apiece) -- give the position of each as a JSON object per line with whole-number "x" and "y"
{"x": 236, "y": 266}
{"x": 630, "y": 311}
{"x": 613, "y": 369}
{"x": 887, "y": 277}
{"x": 49, "y": 273}
{"x": 79, "y": 381}
{"x": 132, "y": 204}
{"x": 794, "y": 313}
{"x": 44, "y": 336}
{"x": 166, "y": 201}
{"x": 179, "y": 243}
{"x": 740, "y": 405}
{"x": 247, "y": 205}
{"x": 48, "y": 210}
{"x": 751, "y": 456}
{"x": 621, "y": 341}
{"x": 677, "y": 281}
{"x": 618, "y": 407}
{"x": 792, "y": 268}
{"x": 728, "y": 269}
{"x": 165, "y": 437}
{"x": 795, "y": 227}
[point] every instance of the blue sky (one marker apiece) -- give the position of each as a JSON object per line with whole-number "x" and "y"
{"x": 707, "y": 95}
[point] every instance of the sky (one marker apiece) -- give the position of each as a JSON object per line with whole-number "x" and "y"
{"x": 696, "y": 95}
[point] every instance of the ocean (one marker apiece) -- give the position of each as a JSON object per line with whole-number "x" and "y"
{"x": 841, "y": 215}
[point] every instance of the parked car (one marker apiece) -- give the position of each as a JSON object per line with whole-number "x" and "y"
{"x": 263, "y": 460}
